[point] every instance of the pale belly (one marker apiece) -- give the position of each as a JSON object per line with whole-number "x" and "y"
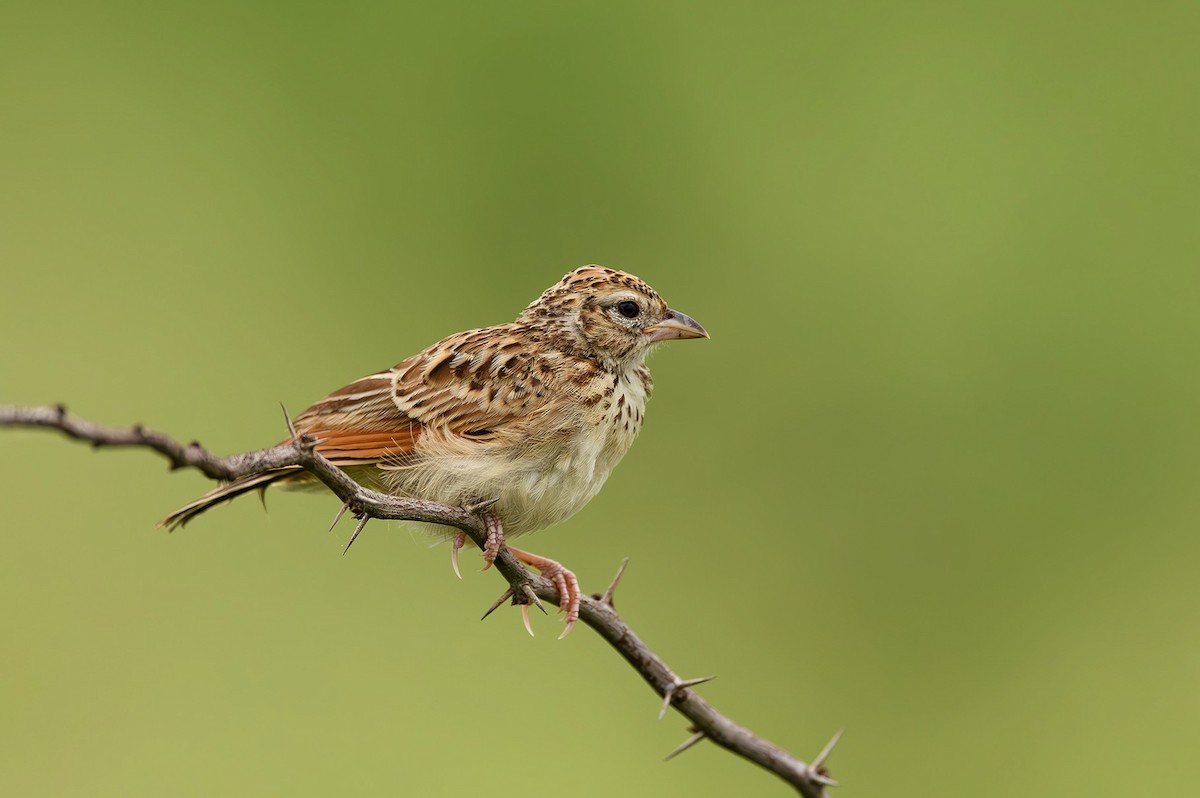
{"x": 535, "y": 489}
{"x": 536, "y": 485}
{"x": 541, "y": 494}
{"x": 549, "y": 488}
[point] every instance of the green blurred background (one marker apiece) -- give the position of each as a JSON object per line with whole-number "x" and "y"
{"x": 933, "y": 478}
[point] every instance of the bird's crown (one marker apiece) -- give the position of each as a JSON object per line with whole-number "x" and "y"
{"x": 589, "y": 285}
{"x": 604, "y": 314}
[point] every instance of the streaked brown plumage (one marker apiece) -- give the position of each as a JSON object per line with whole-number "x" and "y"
{"x": 534, "y": 413}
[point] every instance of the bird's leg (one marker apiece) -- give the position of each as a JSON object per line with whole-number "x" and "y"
{"x": 495, "y": 537}
{"x": 492, "y": 546}
{"x": 568, "y": 586}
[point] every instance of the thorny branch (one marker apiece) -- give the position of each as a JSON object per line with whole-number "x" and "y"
{"x": 809, "y": 780}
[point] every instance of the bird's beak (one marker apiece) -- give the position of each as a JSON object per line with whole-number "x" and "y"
{"x": 675, "y": 325}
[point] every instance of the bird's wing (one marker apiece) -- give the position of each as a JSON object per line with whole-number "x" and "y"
{"x": 482, "y": 385}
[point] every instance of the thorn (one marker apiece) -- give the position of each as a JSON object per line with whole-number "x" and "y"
{"x": 139, "y": 430}
{"x": 525, "y": 618}
{"x": 678, "y": 685}
{"x": 454, "y": 564}
{"x": 475, "y": 507}
{"x": 262, "y": 496}
{"x": 336, "y": 518}
{"x": 354, "y": 537}
{"x": 667, "y": 696}
{"x": 827, "y": 750}
{"x": 529, "y": 594}
{"x": 688, "y": 743}
{"x": 816, "y": 770}
{"x": 607, "y": 598}
{"x": 507, "y": 594}
{"x": 290, "y": 426}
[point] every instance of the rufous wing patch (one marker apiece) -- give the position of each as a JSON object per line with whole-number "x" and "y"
{"x": 361, "y": 448}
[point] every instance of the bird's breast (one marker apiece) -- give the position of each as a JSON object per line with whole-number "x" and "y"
{"x": 562, "y": 476}
{"x": 549, "y": 476}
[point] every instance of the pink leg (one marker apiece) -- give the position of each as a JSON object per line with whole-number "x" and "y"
{"x": 495, "y": 539}
{"x": 568, "y": 586}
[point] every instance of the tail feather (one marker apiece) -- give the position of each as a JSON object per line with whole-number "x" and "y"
{"x": 225, "y": 493}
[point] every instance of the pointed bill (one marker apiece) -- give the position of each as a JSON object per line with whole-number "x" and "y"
{"x": 675, "y": 325}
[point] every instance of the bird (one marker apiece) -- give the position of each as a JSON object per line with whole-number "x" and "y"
{"x": 531, "y": 415}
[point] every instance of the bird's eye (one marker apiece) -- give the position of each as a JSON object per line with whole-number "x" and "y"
{"x": 628, "y": 309}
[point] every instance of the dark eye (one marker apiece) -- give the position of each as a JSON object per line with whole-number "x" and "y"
{"x": 628, "y": 309}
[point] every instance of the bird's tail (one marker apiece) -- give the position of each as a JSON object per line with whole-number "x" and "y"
{"x": 231, "y": 490}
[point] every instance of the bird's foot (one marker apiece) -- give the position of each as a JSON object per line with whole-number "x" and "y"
{"x": 569, "y": 594}
{"x": 495, "y": 538}
{"x": 492, "y": 545}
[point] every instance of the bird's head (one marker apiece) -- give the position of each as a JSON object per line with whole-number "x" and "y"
{"x": 614, "y": 316}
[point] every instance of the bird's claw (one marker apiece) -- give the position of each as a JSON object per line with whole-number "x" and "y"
{"x": 491, "y": 547}
{"x": 455, "y": 545}
{"x": 569, "y": 594}
{"x": 565, "y": 581}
